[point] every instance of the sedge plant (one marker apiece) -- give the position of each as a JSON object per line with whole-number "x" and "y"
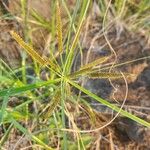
{"x": 59, "y": 87}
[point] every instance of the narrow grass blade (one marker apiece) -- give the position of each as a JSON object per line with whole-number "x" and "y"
{"x": 118, "y": 5}
{"x": 7, "y": 71}
{"x": 3, "y": 108}
{"x": 41, "y": 21}
{"x": 4, "y": 79}
{"x": 6, "y": 135}
{"x": 63, "y": 116}
{"x": 26, "y": 132}
{"x": 18, "y": 90}
{"x": 72, "y": 18}
{"x": 143, "y": 6}
{"x": 69, "y": 60}
{"x": 107, "y": 67}
{"x": 106, "y": 103}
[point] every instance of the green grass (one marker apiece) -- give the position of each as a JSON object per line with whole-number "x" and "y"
{"x": 42, "y": 110}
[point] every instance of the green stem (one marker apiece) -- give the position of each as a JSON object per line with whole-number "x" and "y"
{"x": 115, "y": 108}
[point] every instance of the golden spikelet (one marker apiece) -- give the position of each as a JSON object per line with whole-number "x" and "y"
{"x": 79, "y": 73}
{"x": 108, "y": 75}
{"x": 32, "y": 52}
{"x": 28, "y": 49}
{"x": 59, "y": 28}
{"x": 88, "y": 67}
{"x": 47, "y": 111}
{"x": 95, "y": 62}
